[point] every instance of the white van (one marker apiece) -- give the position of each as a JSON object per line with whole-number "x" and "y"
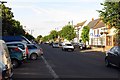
{"x": 5, "y": 57}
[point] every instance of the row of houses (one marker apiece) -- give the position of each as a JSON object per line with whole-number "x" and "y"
{"x": 100, "y": 35}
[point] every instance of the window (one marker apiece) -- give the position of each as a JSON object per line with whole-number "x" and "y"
{"x": 118, "y": 49}
{"x": 68, "y": 44}
{"x": 19, "y": 45}
{"x": 98, "y": 32}
{"x": 31, "y": 47}
{"x": 112, "y": 49}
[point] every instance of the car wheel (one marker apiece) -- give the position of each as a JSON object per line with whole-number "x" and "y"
{"x": 107, "y": 63}
{"x": 15, "y": 63}
{"x": 33, "y": 57}
{"x": 72, "y": 49}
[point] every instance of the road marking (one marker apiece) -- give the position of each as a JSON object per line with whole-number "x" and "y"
{"x": 52, "y": 72}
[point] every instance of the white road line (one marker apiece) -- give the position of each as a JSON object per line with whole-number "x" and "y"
{"x": 52, "y": 72}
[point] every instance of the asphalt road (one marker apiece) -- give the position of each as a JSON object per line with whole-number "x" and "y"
{"x": 58, "y": 64}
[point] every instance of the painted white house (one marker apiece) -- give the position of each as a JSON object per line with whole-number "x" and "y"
{"x": 96, "y": 28}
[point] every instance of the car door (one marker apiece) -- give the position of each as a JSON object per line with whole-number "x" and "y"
{"x": 117, "y": 57}
{"x": 112, "y": 55}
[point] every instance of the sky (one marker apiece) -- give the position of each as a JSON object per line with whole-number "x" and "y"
{"x": 41, "y": 16}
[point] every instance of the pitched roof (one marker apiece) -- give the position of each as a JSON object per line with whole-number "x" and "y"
{"x": 99, "y": 25}
{"x": 80, "y": 24}
{"x": 93, "y": 23}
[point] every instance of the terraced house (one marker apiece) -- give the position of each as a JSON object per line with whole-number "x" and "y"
{"x": 101, "y": 35}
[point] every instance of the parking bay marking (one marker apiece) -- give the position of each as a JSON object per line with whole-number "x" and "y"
{"x": 52, "y": 72}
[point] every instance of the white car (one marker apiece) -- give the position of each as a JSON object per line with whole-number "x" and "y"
{"x": 68, "y": 47}
{"x": 55, "y": 45}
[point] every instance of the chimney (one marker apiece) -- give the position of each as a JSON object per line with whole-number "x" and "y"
{"x": 92, "y": 19}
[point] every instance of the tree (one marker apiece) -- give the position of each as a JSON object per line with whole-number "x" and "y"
{"x": 10, "y": 26}
{"x": 29, "y": 37}
{"x": 7, "y": 16}
{"x": 110, "y": 15}
{"x": 67, "y": 32}
{"x": 45, "y": 38}
{"x": 53, "y": 34}
{"x": 39, "y": 38}
{"x": 85, "y": 34}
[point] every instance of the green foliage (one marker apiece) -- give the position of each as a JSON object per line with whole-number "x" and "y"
{"x": 53, "y": 34}
{"x": 85, "y": 34}
{"x": 110, "y": 15}
{"x": 45, "y": 38}
{"x": 29, "y": 37}
{"x": 67, "y": 32}
{"x": 39, "y": 38}
{"x": 10, "y": 26}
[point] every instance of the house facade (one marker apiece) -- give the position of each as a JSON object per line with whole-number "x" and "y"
{"x": 101, "y": 35}
{"x": 96, "y": 38}
{"x": 110, "y": 37}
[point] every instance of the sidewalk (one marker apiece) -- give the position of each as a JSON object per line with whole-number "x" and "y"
{"x": 93, "y": 49}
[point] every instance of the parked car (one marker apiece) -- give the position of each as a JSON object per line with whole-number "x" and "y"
{"x": 22, "y": 45}
{"x": 17, "y": 55}
{"x": 55, "y": 45}
{"x": 3, "y": 71}
{"x": 82, "y": 45}
{"x": 34, "y": 51}
{"x": 113, "y": 57}
{"x": 67, "y": 46}
{"x": 5, "y": 57}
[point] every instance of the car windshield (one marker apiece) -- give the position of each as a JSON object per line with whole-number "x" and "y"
{"x": 68, "y": 44}
{"x": 31, "y": 47}
{"x": 19, "y": 45}
{"x": 118, "y": 49}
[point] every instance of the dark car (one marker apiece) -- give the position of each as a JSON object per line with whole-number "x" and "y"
{"x": 17, "y": 55}
{"x": 113, "y": 57}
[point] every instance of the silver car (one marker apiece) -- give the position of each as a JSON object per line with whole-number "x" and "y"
{"x": 5, "y": 58}
{"x": 34, "y": 51}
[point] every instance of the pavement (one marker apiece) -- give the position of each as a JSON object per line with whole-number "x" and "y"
{"x": 93, "y": 49}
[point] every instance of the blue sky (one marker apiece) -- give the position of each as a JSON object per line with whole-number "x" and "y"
{"x": 42, "y": 16}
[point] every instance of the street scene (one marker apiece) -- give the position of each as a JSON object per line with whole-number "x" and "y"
{"x": 56, "y": 63}
{"x": 59, "y": 40}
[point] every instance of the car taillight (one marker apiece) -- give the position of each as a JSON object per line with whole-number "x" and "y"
{"x": 27, "y": 52}
{"x": 16, "y": 49}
